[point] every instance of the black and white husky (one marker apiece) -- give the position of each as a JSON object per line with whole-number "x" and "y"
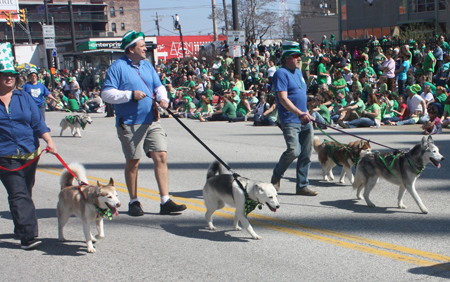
{"x": 223, "y": 189}
{"x": 75, "y": 122}
{"x": 401, "y": 169}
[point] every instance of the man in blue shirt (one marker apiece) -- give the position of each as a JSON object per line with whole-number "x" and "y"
{"x": 132, "y": 84}
{"x": 298, "y": 133}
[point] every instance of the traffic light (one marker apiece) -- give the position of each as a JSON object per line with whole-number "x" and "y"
{"x": 23, "y": 17}
{"x": 9, "y": 19}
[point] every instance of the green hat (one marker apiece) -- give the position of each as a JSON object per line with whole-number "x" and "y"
{"x": 289, "y": 47}
{"x": 130, "y": 38}
{"x": 6, "y": 59}
{"x": 332, "y": 36}
{"x": 188, "y": 98}
{"x": 415, "y": 89}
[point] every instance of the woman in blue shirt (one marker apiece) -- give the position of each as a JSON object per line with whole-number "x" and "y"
{"x": 402, "y": 75}
{"x": 21, "y": 125}
{"x": 37, "y": 90}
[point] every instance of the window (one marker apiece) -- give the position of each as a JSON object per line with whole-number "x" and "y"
{"x": 113, "y": 27}
{"x": 402, "y": 7}
{"x": 113, "y": 12}
{"x": 121, "y": 10}
{"x": 343, "y": 10}
{"x": 80, "y": 26}
{"x": 79, "y": 12}
{"x": 377, "y": 32}
{"x": 386, "y": 31}
{"x": 122, "y": 26}
{"x": 360, "y": 33}
{"x": 344, "y": 35}
{"x": 420, "y": 6}
{"x": 351, "y": 34}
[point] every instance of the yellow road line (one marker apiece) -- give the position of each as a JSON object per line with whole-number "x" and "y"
{"x": 290, "y": 230}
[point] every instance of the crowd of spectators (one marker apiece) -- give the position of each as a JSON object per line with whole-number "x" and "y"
{"x": 366, "y": 87}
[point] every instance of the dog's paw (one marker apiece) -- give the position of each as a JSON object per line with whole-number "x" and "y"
{"x": 342, "y": 181}
{"x": 331, "y": 176}
{"x": 257, "y": 237}
{"x": 98, "y": 236}
{"x": 424, "y": 211}
{"x": 359, "y": 197}
{"x": 212, "y": 228}
{"x": 237, "y": 228}
{"x": 91, "y": 250}
{"x": 326, "y": 179}
{"x": 371, "y": 205}
{"x": 402, "y": 206}
{"x": 62, "y": 239}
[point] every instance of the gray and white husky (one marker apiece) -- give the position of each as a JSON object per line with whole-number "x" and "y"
{"x": 75, "y": 122}
{"x": 223, "y": 189}
{"x": 405, "y": 168}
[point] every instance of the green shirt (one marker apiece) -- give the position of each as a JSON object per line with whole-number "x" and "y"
{"x": 321, "y": 79}
{"x": 361, "y": 107}
{"x": 372, "y": 109}
{"x": 306, "y": 59}
{"x": 442, "y": 99}
{"x": 209, "y": 94}
{"x": 368, "y": 70}
{"x": 339, "y": 82}
{"x": 72, "y": 104}
{"x": 428, "y": 64}
{"x": 242, "y": 109}
{"x": 383, "y": 88}
{"x": 356, "y": 86}
{"x": 325, "y": 113}
{"x": 229, "y": 110}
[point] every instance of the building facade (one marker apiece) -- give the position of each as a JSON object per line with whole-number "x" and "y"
{"x": 92, "y": 18}
{"x": 359, "y": 19}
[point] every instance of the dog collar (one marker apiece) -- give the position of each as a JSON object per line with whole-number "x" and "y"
{"x": 421, "y": 168}
{"x": 104, "y": 212}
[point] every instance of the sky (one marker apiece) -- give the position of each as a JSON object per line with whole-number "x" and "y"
{"x": 193, "y": 15}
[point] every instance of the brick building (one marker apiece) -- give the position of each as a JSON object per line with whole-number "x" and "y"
{"x": 92, "y": 18}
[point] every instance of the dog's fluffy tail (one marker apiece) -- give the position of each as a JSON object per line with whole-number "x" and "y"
{"x": 67, "y": 178}
{"x": 316, "y": 144}
{"x": 216, "y": 168}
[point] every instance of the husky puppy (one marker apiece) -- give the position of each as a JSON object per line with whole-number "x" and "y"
{"x": 223, "y": 189}
{"x": 404, "y": 169}
{"x": 344, "y": 155}
{"x": 71, "y": 201}
{"x": 75, "y": 122}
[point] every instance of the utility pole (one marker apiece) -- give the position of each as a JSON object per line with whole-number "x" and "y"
{"x": 48, "y": 51}
{"x": 214, "y": 19}
{"x": 157, "y": 24}
{"x": 237, "y": 60}
{"x": 225, "y": 13}
{"x": 72, "y": 27}
{"x": 181, "y": 39}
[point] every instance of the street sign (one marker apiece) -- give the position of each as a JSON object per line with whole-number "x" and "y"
{"x": 54, "y": 53}
{"x": 49, "y": 43}
{"x": 236, "y": 37}
{"x": 48, "y": 31}
{"x": 235, "y": 51}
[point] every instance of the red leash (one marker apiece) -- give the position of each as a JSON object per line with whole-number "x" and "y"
{"x": 80, "y": 183}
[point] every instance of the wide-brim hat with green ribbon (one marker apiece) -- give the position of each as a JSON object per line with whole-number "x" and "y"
{"x": 6, "y": 59}
{"x": 130, "y": 38}
{"x": 289, "y": 47}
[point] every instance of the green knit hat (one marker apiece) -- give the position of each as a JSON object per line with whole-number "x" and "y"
{"x": 415, "y": 89}
{"x": 188, "y": 98}
{"x": 289, "y": 47}
{"x": 130, "y": 38}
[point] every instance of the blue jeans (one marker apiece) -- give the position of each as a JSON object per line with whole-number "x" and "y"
{"x": 320, "y": 119}
{"x": 361, "y": 122}
{"x": 299, "y": 142}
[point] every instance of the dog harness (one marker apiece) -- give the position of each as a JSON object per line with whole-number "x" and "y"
{"x": 327, "y": 146}
{"x": 394, "y": 156}
{"x": 104, "y": 212}
{"x": 76, "y": 118}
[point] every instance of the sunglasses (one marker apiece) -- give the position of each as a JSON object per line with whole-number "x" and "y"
{"x": 295, "y": 56}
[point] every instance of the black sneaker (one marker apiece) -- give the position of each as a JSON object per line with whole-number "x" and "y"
{"x": 170, "y": 207}
{"x": 135, "y": 209}
{"x": 30, "y": 244}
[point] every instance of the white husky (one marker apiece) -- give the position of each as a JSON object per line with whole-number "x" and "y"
{"x": 223, "y": 189}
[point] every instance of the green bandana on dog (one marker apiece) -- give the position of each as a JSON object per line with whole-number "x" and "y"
{"x": 250, "y": 205}
{"x": 104, "y": 212}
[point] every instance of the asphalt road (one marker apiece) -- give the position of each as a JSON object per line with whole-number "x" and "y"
{"x": 331, "y": 237}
